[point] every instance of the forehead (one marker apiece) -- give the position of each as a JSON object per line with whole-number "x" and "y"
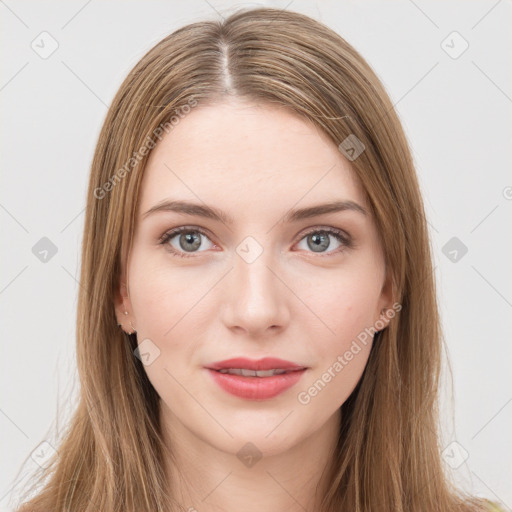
{"x": 244, "y": 154}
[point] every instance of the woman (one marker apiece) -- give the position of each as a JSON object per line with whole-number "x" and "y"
{"x": 257, "y": 322}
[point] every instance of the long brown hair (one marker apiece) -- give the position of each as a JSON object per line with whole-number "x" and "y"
{"x": 388, "y": 456}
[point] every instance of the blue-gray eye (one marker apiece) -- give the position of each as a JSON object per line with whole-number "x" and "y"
{"x": 190, "y": 240}
{"x": 320, "y": 240}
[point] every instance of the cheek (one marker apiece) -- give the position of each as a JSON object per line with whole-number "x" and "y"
{"x": 163, "y": 296}
{"x": 173, "y": 309}
{"x": 344, "y": 306}
{"x": 341, "y": 343}
{"x": 166, "y": 304}
{"x": 152, "y": 298}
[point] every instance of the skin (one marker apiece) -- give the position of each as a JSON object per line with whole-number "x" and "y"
{"x": 255, "y": 163}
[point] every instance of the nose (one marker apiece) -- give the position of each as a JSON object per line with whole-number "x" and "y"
{"x": 256, "y": 298}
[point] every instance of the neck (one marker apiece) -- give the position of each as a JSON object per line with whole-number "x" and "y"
{"x": 207, "y": 478}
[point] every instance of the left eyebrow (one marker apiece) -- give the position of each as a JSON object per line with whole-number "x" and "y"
{"x": 322, "y": 209}
{"x": 202, "y": 210}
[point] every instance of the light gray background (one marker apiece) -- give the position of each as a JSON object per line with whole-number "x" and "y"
{"x": 456, "y": 113}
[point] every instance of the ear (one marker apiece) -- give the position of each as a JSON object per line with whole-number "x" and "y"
{"x": 122, "y": 302}
{"x": 385, "y": 302}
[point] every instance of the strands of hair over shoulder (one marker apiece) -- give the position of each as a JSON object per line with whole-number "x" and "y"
{"x": 388, "y": 457}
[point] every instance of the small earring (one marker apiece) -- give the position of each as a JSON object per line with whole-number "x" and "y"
{"x": 120, "y": 325}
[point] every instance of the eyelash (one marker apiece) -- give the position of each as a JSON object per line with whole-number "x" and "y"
{"x": 343, "y": 238}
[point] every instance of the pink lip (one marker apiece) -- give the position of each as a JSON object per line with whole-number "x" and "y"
{"x": 267, "y": 363}
{"x": 256, "y": 388}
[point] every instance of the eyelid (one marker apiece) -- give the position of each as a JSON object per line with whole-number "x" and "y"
{"x": 179, "y": 229}
{"x": 329, "y": 229}
{"x": 343, "y": 237}
{"x": 346, "y": 240}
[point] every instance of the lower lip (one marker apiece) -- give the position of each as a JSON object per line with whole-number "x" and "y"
{"x": 256, "y": 388}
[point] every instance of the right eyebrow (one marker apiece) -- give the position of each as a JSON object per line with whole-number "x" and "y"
{"x": 188, "y": 208}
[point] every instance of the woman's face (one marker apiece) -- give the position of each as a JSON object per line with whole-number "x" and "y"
{"x": 263, "y": 277}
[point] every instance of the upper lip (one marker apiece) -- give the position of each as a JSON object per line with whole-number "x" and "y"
{"x": 267, "y": 363}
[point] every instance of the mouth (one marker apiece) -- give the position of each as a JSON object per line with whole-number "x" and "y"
{"x": 243, "y": 372}
{"x": 256, "y": 380}
{"x": 255, "y": 368}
